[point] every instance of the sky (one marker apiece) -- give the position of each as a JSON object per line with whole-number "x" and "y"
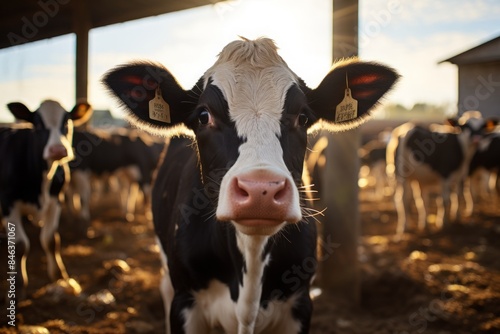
{"x": 411, "y": 36}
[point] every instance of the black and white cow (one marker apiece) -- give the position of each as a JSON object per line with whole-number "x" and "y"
{"x": 425, "y": 159}
{"x": 373, "y": 159}
{"x": 33, "y": 171}
{"x": 227, "y": 204}
{"x": 100, "y": 154}
{"x": 485, "y": 162}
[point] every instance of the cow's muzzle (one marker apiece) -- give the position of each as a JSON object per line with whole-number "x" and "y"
{"x": 260, "y": 202}
{"x": 57, "y": 152}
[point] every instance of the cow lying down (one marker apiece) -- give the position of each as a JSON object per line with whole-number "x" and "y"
{"x": 227, "y": 205}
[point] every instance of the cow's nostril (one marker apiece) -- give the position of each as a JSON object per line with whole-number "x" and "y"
{"x": 258, "y": 190}
{"x": 239, "y": 188}
{"x": 281, "y": 194}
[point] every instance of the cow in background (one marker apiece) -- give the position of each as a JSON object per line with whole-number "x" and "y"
{"x": 126, "y": 154}
{"x": 373, "y": 166}
{"x": 423, "y": 159}
{"x": 482, "y": 181}
{"x": 227, "y": 206}
{"x": 33, "y": 171}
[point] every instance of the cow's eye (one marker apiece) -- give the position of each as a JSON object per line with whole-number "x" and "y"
{"x": 302, "y": 120}
{"x": 205, "y": 118}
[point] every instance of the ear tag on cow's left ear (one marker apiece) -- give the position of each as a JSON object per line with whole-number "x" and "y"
{"x": 348, "y": 108}
{"x": 159, "y": 110}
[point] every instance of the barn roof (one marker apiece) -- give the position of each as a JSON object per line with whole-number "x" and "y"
{"x": 23, "y": 21}
{"x": 483, "y": 53}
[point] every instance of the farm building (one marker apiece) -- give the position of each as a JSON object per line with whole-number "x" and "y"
{"x": 479, "y": 78}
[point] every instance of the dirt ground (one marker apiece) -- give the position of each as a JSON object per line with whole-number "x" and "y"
{"x": 445, "y": 282}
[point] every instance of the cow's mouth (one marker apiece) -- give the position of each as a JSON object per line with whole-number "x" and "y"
{"x": 259, "y": 226}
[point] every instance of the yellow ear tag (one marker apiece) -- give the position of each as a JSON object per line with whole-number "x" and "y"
{"x": 159, "y": 110}
{"x": 348, "y": 108}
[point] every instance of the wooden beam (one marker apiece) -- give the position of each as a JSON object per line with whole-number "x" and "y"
{"x": 82, "y": 25}
{"x": 339, "y": 270}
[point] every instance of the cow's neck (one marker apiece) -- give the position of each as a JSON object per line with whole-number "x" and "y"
{"x": 247, "y": 306}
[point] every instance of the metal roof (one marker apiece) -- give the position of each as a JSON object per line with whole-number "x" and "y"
{"x": 24, "y": 21}
{"x": 483, "y": 53}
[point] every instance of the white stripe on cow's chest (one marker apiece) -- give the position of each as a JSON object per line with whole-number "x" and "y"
{"x": 247, "y": 307}
{"x": 214, "y": 308}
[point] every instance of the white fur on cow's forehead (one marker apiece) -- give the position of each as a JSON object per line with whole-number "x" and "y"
{"x": 254, "y": 80}
{"x": 52, "y": 113}
{"x": 473, "y": 119}
{"x": 468, "y": 115}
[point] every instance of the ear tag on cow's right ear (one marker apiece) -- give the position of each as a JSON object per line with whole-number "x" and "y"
{"x": 348, "y": 108}
{"x": 159, "y": 110}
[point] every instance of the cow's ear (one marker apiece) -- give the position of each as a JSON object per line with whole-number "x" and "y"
{"x": 350, "y": 80}
{"x": 491, "y": 124}
{"x": 81, "y": 113}
{"x": 20, "y": 111}
{"x": 135, "y": 85}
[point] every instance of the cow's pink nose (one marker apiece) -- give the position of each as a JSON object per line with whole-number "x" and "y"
{"x": 57, "y": 152}
{"x": 260, "y": 197}
{"x": 250, "y": 191}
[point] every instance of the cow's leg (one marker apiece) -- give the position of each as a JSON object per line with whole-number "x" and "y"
{"x": 50, "y": 240}
{"x": 14, "y": 228}
{"x": 166, "y": 288}
{"x": 379, "y": 174}
{"x": 492, "y": 189}
{"x": 195, "y": 322}
{"x": 454, "y": 202}
{"x": 440, "y": 212}
{"x": 129, "y": 190}
{"x": 133, "y": 194}
{"x": 443, "y": 219}
{"x": 306, "y": 307}
{"x": 402, "y": 202}
{"x": 146, "y": 190}
{"x": 80, "y": 197}
{"x": 420, "y": 205}
{"x": 468, "y": 197}
{"x": 81, "y": 182}
{"x": 184, "y": 318}
{"x": 98, "y": 187}
{"x": 484, "y": 188}
{"x": 124, "y": 186}
{"x": 426, "y": 198}
{"x": 72, "y": 205}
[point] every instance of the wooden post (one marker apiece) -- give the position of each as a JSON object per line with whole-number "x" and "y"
{"x": 82, "y": 25}
{"x": 339, "y": 271}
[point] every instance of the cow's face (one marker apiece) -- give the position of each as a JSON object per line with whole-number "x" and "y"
{"x": 53, "y": 127}
{"x": 250, "y": 115}
{"x": 473, "y": 126}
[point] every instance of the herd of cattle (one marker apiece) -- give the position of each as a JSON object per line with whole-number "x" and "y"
{"x": 226, "y": 201}
{"x": 47, "y": 162}
{"x": 455, "y": 163}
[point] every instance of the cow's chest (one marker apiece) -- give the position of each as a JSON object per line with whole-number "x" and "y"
{"x": 34, "y": 203}
{"x": 215, "y": 312}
